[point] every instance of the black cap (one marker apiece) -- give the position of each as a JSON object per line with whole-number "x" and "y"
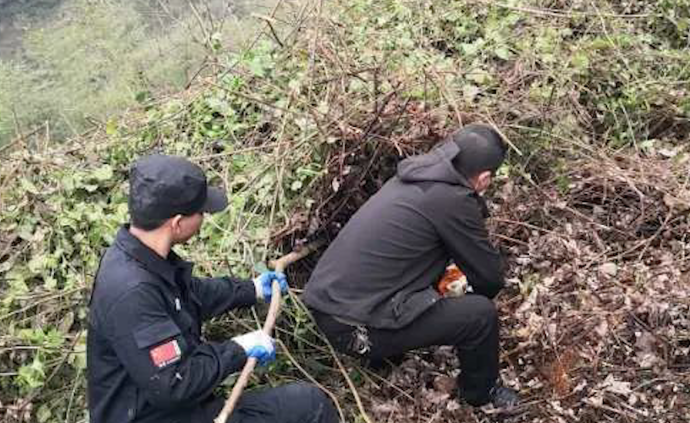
{"x": 164, "y": 186}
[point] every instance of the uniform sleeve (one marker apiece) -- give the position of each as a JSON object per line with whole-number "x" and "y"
{"x": 218, "y": 295}
{"x": 170, "y": 372}
{"x": 463, "y": 232}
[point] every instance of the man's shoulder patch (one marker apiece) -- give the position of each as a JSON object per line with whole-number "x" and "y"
{"x": 165, "y": 353}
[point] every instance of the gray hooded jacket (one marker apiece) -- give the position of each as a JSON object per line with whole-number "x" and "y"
{"x": 382, "y": 268}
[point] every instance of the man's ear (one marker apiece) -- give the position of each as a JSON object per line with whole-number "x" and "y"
{"x": 175, "y": 223}
{"x": 483, "y": 181}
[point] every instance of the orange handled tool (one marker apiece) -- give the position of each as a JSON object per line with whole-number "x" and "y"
{"x": 453, "y": 283}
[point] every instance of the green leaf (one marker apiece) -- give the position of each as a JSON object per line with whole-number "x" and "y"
{"x": 38, "y": 263}
{"x": 580, "y": 60}
{"x": 479, "y": 76}
{"x": 26, "y": 231}
{"x": 29, "y": 186}
{"x": 296, "y": 186}
{"x": 142, "y": 96}
{"x": 111, "y": 127}
{"x": 78, "y": 357}
{"x": 43, "y": 414}
{"x": 258, "y": 66}
{"x": 470, "y": 49}
{"x": 49, "y": 283}
{"x": 216, "y": 41}
{"x": 31, "y": 376}
{"x": 469, "y": 92}
{"x": 503, "y": 52}
{"x": 103, "y": 173}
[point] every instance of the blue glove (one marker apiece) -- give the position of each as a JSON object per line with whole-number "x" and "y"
{"x": 258, "y": 345}
{"x": 263, "y": 284}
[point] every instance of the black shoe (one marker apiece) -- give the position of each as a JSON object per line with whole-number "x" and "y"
{"x": 504, "y": 398}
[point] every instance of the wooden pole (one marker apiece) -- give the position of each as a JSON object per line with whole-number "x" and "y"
{"x": 273, "y": 309}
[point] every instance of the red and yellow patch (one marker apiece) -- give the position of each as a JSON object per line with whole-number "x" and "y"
{"x": 166, "y": 353}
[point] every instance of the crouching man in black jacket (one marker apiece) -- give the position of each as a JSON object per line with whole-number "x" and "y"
{"x": 373, "y": 293}
{"x": 146, "y": 359}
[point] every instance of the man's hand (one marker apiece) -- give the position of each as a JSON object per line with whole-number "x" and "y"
{"x": 258, "y": 345}
{"x": 264, "y": 282}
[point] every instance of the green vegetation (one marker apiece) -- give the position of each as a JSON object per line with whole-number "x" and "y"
{"x": 301, "y": 127}
{"x": 97, "y": 59}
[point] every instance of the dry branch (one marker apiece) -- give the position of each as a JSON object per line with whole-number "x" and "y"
{"x": 280, "y": 265}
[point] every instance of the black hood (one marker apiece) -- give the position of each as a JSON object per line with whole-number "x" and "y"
{"x": 434, "y": 166}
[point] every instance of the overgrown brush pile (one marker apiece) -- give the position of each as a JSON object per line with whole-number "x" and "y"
{"x": 311, "y": 119}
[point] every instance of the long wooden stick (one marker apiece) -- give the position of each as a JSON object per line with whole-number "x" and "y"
{"x": 273, "y": 309}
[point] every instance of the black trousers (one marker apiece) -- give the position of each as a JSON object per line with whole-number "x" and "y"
{"x": 291, "y": 403}
{"x": 470, "y": 323}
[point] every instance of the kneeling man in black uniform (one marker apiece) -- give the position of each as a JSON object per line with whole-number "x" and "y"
{"x": 373, "y": 293}
{"x": 147, "y": 361}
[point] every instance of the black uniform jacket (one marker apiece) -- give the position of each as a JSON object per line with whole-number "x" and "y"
{"x": 382, "y": 268}
{"x": 146, "y": 360}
